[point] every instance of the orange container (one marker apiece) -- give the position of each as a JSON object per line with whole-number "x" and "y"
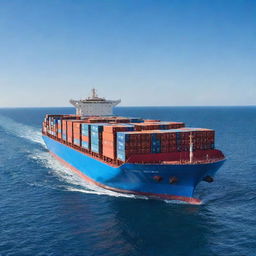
{"x": 85, "y": 138}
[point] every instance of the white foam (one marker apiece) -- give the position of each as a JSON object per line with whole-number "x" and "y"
{"x": 73, "y": 182}
{"x": 21, "y": 130}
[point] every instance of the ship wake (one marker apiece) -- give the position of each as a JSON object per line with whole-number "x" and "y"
{"x": 70, "y": 181}
{"x": 21, "y": 130}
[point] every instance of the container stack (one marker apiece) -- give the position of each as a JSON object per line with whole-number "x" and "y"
{"x": 85, "y": 135}
{"x": 151, "y": 120}
{"x": 168, "y": 141}
{"x": 70, "y": 131}
{"x": 114, "y": 119}
{"x": 109, "y": 138}
{"x": 129, "y": 143}
{"x": 136, "y": 120}
{"x": 53, "y": 121}
{"x": 59, "y": 129}
{"x": 121, "y": 137}
{"x": 158, "y": 126}
{"x": 163, "y": 141}
{"x": 122, "y": 120}
{"x": 77, "y": 133}
{"x": 64, "y": 129}
{"x": 202, "y": 139}
{"x": 155, "y": 143}
{"x": 96, "y": 138}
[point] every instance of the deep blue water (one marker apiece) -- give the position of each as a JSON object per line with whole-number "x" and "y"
{"x": 47, "y": 210}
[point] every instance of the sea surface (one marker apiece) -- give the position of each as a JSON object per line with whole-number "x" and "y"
{"x": 45, "y": 209}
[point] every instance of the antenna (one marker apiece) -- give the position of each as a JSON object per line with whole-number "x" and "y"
{"x": 94, "y": 93}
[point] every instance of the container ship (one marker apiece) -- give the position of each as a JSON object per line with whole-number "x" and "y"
{"x": 152, "y": 158}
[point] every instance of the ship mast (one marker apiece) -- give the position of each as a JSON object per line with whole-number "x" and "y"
{"x": 191, "y": 148}
{"x": 94, "y": 94}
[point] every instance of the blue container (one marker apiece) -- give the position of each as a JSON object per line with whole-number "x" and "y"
{"x": 136, "y": 120}
{"x": 155, "y": 144}
{"x": 77, "y": 142}
{"x": 85, "y": 129}
{"x": 129, "y": 127}
{"x": 96, "y": 132}
{"x": 123, "y": 136}
{"x": 96, "y": 148}
{"x": 120, "y": 147}
{"x": 85, "y": 144}
{"x": 95, "y": 137}
{"x": 121, "y": 156}
{"x": 156, "y": 150}
{"x": 97, "y": 127}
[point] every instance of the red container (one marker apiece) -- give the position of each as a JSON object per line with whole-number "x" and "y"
{"x": 109, "y": 139}
{"x": 69, "y": 131}
{"x": 151, "y": 120}
{"x": 115, "y": 128}
{"x": 158, "y": 126}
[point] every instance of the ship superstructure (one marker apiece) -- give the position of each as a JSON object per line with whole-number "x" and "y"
{"x": 94, "y": 105}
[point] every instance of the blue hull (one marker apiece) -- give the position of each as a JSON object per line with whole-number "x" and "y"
{"x": 136, "y": 178}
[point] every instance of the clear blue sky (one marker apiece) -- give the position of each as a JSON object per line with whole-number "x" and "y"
{"x": 174, "y": 52}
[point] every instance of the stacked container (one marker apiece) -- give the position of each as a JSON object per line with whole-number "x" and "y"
{"x": 64, "y": 129}
{"x": 168, "y": 141}
{"x": 202, "y": 139}
{"x": 151, "y": 120}
{"x": 158, "y": 126}
{"x": 85, "y": 135}
{"x": 136, "y": 120}
{"x": 118, "y": 138}
{"x": 109, "y": 138}
{"x": 155, "y": 143}
{"x": 122, "y": 120}
{"x": 114, "y": 119}
{"x": 129, "y": 143}
{"x": 53, "y": 125}
{"x": 77, "y": 133}
{"x": 59, "y": 127}
{"x": 70, "y": 131}
{"x": 96, "y": 138}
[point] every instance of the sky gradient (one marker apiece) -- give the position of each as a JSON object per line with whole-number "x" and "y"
{"x": 151, "y": 53}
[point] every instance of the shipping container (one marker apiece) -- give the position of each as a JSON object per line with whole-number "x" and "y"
{"x": 158, "y": 126}
{"x": 129, "y": 143}
{"x": 96, "y": 137}
{"x": 109, "y": 138}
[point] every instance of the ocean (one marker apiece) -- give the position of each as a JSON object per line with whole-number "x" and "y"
{"x": 45, "y": 209}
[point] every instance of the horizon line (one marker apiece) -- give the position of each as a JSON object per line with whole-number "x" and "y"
{"x": 181, "y": 106}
